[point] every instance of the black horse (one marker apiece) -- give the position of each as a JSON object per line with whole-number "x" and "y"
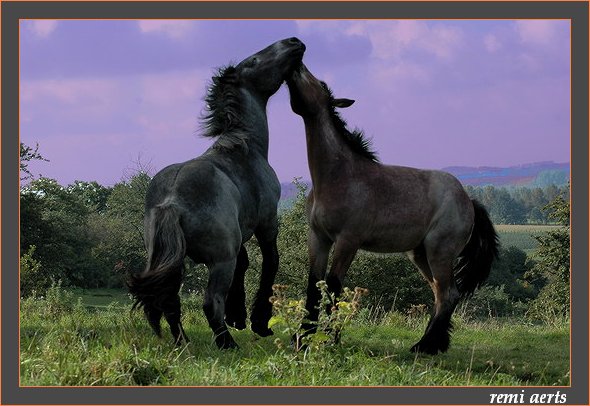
{"x": 208, "y": 207}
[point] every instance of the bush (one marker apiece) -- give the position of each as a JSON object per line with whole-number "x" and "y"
{"x": 490, "y": 301}
{"x": 394, "y": 283}
{"x": 553, "y": 265}
{"x": 32, "y": 278}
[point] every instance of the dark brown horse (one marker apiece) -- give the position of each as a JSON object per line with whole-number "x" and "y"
{"x": 358, "y": 203}
{"x": 208, "y": 207}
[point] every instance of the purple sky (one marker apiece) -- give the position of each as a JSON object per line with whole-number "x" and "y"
{"x": 96, "y": 95}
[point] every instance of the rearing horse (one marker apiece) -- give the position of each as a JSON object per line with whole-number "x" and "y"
{"x": 358, "y": 203}
{"x": 208, "y": 207}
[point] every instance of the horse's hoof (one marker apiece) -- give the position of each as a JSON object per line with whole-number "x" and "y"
{"x": 262, "y": 330}
{"x": 424, "y": 348}
{"x": 227, "y": 344}
{"x": 230, "y": 346}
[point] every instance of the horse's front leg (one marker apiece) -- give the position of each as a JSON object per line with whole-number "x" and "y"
{"x": 344, "y": 253}
{"x": 262, "y": 308}
{"x": 319, "y": 250}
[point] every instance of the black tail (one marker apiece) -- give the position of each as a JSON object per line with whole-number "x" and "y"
{"x": 166, "y": 249}
{"x": 475, "y": 262}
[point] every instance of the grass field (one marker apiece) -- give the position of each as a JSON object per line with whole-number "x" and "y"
{"x": 70, "y": 341}
{"x": 521, "y": 236}
{"x": 91, "y": 338}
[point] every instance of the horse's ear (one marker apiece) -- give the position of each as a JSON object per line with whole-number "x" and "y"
{"x": 342, "y": 103}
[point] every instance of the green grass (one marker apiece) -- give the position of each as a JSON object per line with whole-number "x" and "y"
{"x": 67, "y": 343}
{"x": 102, "y": 298}
{"x": 521, "y": 236}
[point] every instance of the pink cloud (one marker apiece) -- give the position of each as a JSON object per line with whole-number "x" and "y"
{"x": 175, "y": 29}
{"x": 68, "y": 91}
{"x": 536, "y": 32}
{"x": 393, "y": 38}
{"x": 173, "y": 87}
{"x": 491, "y": 43}
{"x": 42, "y": 28}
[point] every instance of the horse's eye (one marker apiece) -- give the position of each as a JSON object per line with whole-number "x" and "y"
{"x": 252, "y": 62}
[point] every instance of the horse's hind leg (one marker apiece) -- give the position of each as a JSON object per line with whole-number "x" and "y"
{"x": 171, "y": 308}
{"x": 438, "y": 332}
{"x": 220, "y": 278}
{"x": 235, "y": 304}
{"x": 262, "y": 308}
{"x": 172, "y": 315}
{"x": 153, "y": 316}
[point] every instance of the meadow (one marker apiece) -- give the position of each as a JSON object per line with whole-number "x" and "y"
{"x": 92, "y": 338}
{"x": 522, "y": 235}
{"x": 69, "y": 338}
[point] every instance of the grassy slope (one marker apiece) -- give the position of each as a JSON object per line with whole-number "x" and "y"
{"x": 113, "y": 347}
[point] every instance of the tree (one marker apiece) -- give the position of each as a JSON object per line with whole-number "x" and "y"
{"x": 511, "y": 271}
{"x": 118, "y": 230}
{"x": 55, "y": 222}
{"x": 28, "y": 154}
{"x": 553, "y": 263}
{"x": 91, "y": 194}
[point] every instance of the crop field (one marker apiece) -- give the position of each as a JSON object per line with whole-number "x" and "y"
{"x": 522, "y": 236}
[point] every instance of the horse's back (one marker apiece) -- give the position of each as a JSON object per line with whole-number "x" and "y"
{"x": 392, "y": 208}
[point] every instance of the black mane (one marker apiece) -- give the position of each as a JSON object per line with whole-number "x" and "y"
{"x": 356, "y": 139}
{"x": 223, "y": 118}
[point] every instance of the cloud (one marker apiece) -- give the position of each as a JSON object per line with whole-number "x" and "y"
{"x": 153, "y": 105}
{"x": 42, "y": 28}
{"x": 173, "y": 87}
{"x": 175, "y": 29}
{"x": 491, "y": 43}
{"x": 537, "y": 32}
{"x": 69, "y": 91}
{"x": 396, "y": 38}
{"x": 401, "y": 72}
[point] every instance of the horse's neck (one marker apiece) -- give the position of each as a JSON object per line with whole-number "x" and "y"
{"x": 257, "y": 123}
{"x": 327, "y": 153}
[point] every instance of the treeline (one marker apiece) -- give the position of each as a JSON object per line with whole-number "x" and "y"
{"x": 84, "y": 234}
{"x": 91, "y": 236}
{"x": 517, "y": 205}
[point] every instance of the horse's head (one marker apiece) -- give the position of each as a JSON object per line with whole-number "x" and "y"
{"x": 309, "y": 95}
{"x": 265, "y": 71}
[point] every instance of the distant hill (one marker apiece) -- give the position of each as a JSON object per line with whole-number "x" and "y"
{"x": 538, "y": 174}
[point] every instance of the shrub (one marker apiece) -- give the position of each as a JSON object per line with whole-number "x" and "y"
{"x": 490, "y": 301}
{"x": 32, "y": 278}
{"x": 290, "y": 313}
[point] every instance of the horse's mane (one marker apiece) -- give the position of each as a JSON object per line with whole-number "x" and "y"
{"x": 223, "y": 118}
{"x": 356, "y": 140}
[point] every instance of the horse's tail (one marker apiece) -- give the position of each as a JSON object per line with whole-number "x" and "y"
{"x": 475, "y": 262}
{"x": 166, "y": 248}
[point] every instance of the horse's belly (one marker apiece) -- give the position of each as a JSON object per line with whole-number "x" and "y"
{"x": 402, "y": 240}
